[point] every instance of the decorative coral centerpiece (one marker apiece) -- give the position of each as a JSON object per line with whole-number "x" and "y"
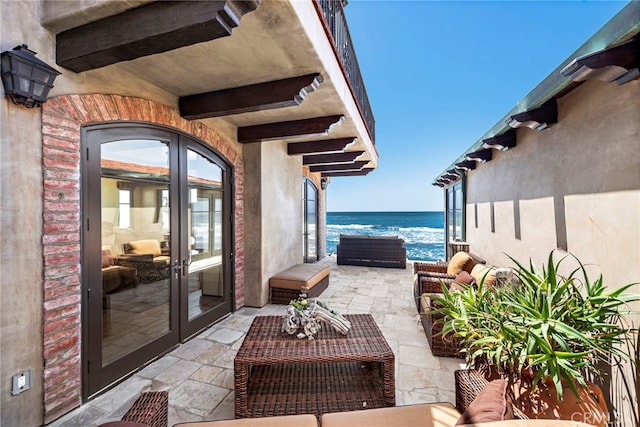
{"x": 304, "y": 316}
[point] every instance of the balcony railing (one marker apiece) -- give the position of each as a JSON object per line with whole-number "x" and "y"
{"x": 336, "y": 27}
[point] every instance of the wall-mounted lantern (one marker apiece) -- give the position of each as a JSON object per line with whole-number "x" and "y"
{"x": 26, "y": 79}
{"x": 323, "y": 183}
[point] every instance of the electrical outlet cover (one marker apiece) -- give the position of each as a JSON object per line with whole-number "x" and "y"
{"x": 21, "y": 382}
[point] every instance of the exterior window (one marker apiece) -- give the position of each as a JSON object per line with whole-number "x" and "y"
{"x": 455, "y": 214}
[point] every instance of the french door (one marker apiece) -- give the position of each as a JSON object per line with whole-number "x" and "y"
{"x": 156, "y": 246}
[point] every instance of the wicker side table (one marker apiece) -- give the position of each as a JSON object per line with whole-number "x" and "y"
{"x": 279, "y": 374}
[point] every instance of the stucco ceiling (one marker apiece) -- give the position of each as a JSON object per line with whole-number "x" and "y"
{"x": 271, "y": 43}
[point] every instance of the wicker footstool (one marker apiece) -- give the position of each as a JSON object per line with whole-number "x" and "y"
{"x": 286, "y": 285}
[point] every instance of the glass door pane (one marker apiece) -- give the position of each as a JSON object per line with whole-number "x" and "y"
{"x": 310, "y": 234}
{"x": 205, "y": 278}
{"x": 135, "y": 226}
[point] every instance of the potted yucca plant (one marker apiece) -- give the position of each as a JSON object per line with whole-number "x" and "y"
{"x": 545, "y": 333}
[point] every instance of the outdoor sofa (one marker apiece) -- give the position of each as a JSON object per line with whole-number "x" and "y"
{"x": 478, "y": 403}
{"x": 372, "y": 251}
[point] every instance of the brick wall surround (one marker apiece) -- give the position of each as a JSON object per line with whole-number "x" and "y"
{"x": 62, "y": 118}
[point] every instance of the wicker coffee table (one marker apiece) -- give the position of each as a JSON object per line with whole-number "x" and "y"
{"x": 279, "y": 374}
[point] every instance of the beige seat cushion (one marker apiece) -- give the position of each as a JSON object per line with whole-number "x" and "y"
{"x": 149, "y": 246}
{"x": 461, "y": 261}
{"x": 425, "y": 304}
{"x": 481, "y": 271}
{"x": 299, "y": 276}
{"x": 423, "y": 415}
{"x": 161, "y": 260}
{"x": 305, "y": 420}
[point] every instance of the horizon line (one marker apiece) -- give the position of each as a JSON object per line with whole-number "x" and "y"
{"x": 442, "y": 211}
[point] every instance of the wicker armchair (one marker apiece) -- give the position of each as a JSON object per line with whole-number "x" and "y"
{"x": 430, "y": 283}
{"x": 430, "y": 267}
{"x": 429, "y": 276}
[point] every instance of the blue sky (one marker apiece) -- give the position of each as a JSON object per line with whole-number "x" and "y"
{"x": 439, "y": 74}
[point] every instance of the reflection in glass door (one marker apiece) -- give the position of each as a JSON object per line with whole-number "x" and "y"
{"x": 135, "y": 255}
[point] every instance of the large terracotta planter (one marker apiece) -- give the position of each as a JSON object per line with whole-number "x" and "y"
{"x": 542, "y": 403}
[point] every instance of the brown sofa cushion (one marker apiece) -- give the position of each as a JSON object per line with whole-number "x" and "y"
{"x": 461, "y": 261}
{"x": 481, "y": 272}
{"x": 465, "y": 278}
{"x": 490, "y": 405}
{"x": 107, "y": 258}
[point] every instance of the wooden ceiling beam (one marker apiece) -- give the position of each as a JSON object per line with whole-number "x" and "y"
{"x": 619, "y": 63}
{"x": 363, "y": 171}
{"x": 256, "y": 97}
{"x": 466, "y": 165}
{"x": 340, "y": 167}
{"x": 482, "y": 155}
{"x": 146, "y": 30}
{"x": 502, "y": 142}
{"x": 538, "y": 118}
{"x": 324, "y": 146}
{"x": 323, "y": 159}
{"x": 295, "y": 128}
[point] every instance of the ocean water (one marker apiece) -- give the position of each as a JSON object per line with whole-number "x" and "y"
{"x": 423, "y": 232}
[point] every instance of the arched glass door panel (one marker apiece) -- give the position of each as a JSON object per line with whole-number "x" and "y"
{"x": 206, "y": 276}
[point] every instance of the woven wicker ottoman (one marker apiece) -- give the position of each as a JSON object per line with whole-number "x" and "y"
{"x": 286, "y": 285}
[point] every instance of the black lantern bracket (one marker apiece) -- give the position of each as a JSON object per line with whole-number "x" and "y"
{"x": 324, "y": 182}
{"x": 26, "y": 79}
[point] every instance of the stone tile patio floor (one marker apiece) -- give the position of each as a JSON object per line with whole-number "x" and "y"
{"x": 199, "y": 373}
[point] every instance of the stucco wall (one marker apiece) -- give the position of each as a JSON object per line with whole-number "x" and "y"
{"x": 274, "y": 211}
{"x": 577, "y": 182}
{"x": 21, "y": 229}
{"x": 21, "y": 262}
